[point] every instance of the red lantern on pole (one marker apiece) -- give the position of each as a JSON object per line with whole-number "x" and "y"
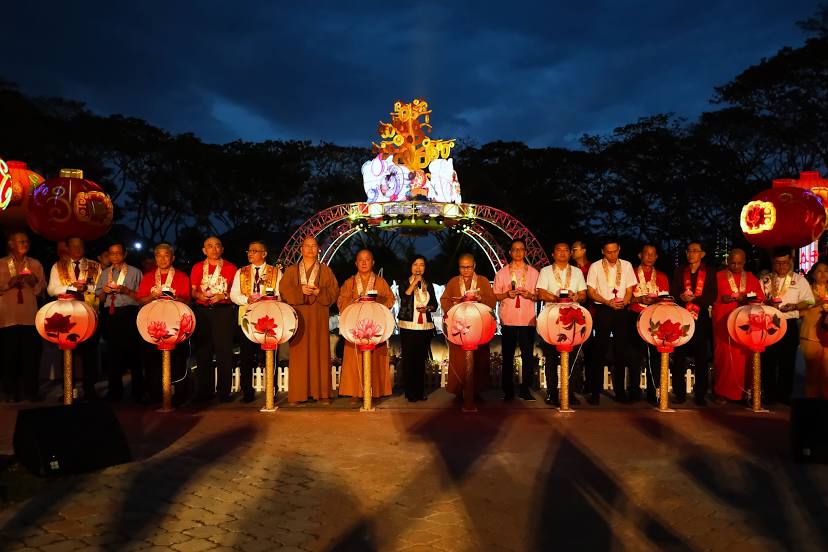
{"x": 165, "y": 323}
{"x": 269, "y": 323}
{"x": 66, "y": 322}
{"x": 69, "y": 206}
{"x": 366, "y": 324}
{"x": 756, "y": 326}
{"x": 565, "y": 325}
{"x": 666, "y": 326}
{"x": 470, "y": 324}
{"x": 22, "y": 181}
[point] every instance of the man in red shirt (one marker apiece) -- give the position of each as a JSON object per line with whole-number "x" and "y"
{"x": 210, "y": 282}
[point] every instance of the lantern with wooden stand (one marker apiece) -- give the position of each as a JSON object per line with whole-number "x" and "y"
{"x": 470, "y": 324}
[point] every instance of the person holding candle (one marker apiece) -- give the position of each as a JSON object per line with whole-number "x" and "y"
{"x": 21, "y": 282}
{"x": 813, "y": 334}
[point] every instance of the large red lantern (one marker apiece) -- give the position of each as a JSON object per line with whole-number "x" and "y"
{"x": 810, "y": 180}
{"x": 66, "y": 322}
{"x": 756, "y": 326}
{"x": 783, "y": 216}
{"x": 23, "y": 182}
{"x": 165, "y": 323}
{"x": 564, "y": 325}
{"x": 366, "y": 324}
{"x": 6, "y": 186}
{"x": 470, "y": 324}
{"x": 69, "y": 206}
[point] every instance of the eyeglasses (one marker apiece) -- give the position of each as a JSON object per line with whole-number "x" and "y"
{"x": 694, "y": 251}
{"x": 256, "y": 251}
{"x": 467, "y": 267}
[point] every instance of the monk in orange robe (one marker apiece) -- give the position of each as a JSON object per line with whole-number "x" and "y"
{"x": 311, "y": 288}
{"x": 467, "y": 282}
{"x": 351, "y": 379}
{"x": 731, "y": 360}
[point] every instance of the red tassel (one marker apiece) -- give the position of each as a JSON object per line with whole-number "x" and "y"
{"x": 112, "y": 304}
{"x": 20, "y": 296}
{"x": 420, "y": 319}
{"x": 517, "y": 301}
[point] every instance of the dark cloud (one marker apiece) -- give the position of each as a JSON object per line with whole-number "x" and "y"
{"x": 541, "y": 72}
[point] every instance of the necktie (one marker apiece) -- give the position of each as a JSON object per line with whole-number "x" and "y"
{"x": 77, "y": 270}
{"x": 256, "y": 281}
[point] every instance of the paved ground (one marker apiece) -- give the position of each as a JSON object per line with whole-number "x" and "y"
{"x": 432, "y": 478}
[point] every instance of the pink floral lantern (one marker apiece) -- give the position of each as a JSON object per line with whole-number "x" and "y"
{"x": 269, "y": 323}
{"x": 366, "y": 324}
{"x": 756, "y": 326}
{"x": 66, "y": 322}
{"x": 470, "y": 324}
{"x": 666, "y": 325}
{"x": 165, "y": 323}
{"x": 565, "y": 325}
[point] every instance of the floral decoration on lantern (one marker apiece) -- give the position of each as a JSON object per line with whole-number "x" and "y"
{"x": 69, "y": 206}
{"x": 6, "y": 186}
{"x": 66, "y": 322}
{"x": 756, "y": 326}
{"x": 165, "y": 323}
{"x": 269, "y": 323}
{"x": 470, "y": 324}
{"x": 366, "y": 324}
{"x": 757, "y": 217}
{"x": 564, "y": 325}
{"x": 666, "y": 325}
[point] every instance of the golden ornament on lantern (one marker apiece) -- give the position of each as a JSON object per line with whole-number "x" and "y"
{"x": 165, "y": 323}
{"x": 756, "y": 326}
{"x": 469, "y": 325}
{"x": 366, "y": 324}
{"x": 564, "y": 325}
{"x": 269, "y": 323}
{"x": 66, "y": 322}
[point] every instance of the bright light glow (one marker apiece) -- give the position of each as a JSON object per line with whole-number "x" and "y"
{"x": 138, "y": 246}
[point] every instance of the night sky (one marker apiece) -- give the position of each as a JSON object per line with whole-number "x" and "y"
{"x": 543, "y": 73}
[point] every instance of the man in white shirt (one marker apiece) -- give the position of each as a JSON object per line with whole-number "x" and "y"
{"x": 553, "y": 281}
{"x": 251, "y": 283}
{"x": 791, "y": 293}
{"x": 610, "y": 283}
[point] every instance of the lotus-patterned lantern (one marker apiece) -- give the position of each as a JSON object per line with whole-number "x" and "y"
{"x": 470, "y": 324}
{"x": 69, "y": 206}
{"x": 66, "y": 322}
{"x": 783, "y": 216}
{"x": 564, "y": 325}
{"x": 666, "y": 326}
{"x": 165, "y": 323}
{"x": 22, "y": 182}
{"x": 756, "y": 327}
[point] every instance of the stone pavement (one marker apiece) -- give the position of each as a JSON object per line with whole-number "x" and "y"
{"x": 432, "y": 478}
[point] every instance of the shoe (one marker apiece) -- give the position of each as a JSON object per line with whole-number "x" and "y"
{"x": 719, "y": 401}
{"x": 652, "y": 399}
{"x": 680, "y": 399}
{"x": 324, "y": 401}
{"x": 424, "y": 398}
{"x": 574, "y": 401}
{"x": 634, "y": 397}
{"x": 508, "y": 397}
{"x": 112, "y": 398}
{"x": 622, "y": 398}
{"x": 700, "y": 401}
{"x": 526, "y": 396}
{"x": 225, "y": 399}
{"x": 248, "y": 398}
{"x": 354, "y": 400}
{"x": 594, "y": 399}
{"x": 550, "y": 399}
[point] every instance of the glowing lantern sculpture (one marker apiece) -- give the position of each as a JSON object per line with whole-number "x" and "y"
{"x": 22, "y": 183}
{"x": 69, "y": 206}
{"x": 756, "y": 327}
{"x": 564, "y": 325}
{"x": 165, "y": 323}
{"x": 269, "y": 323}
{"x": 66, "y": 322}
{"x": 6, "y": 186}
{"x": 366, "y": 324}
{"x": 666, "y": 326}
{"x": 470, "y": 324}
{"x": 784, "y": 215}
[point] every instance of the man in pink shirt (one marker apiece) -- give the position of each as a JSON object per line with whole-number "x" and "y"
{"x": 514, "y": 287}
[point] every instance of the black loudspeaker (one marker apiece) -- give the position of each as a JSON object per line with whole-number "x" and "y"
{"x": 69, "y": 439}
{"x": 809, "y": 430}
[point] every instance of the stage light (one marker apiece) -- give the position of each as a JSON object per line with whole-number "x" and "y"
{"x": 138, "y": 246}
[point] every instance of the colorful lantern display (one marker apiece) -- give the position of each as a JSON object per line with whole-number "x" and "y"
{"x": 6, "y": 187}
{"x": 22, "y": 182}
{"x": 564, "y": 325}
{"x": 66, "y": 322}
{"x": 756, "y": 326}
{"x": 269, "y": 323}
{"x": 165, "y": 323}
{"x": 366, "y": 324}
{"x": 666, "y": 326}
{"x": 69, "y": 206}
{"x": 470, "y": 324}
{"x": 783, "y": 216}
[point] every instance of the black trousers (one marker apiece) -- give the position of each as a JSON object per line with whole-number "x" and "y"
{"x": 699, "y": 349}
{"x": 778, "y": 364}
{"x": 122, "y": 345}
{"x": 250, "y": 357}
{"x": 20, "y": 360}
{"x": 642, "y": 354}
{"x": 608, "y": 321}
{"x": 415, "y": 345}
{"x": 214, "y": 335}
{"x": 178, "y": 365}
{"x": 90, "y": 362}
{"x": 576, "y": 367}
{"x": 510, "y": 337}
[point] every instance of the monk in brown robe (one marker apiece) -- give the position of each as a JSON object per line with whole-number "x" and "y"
{"x": 467, "y": 282}
{"x": 311, "y": 288}
{"x": 351, "y": 379}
